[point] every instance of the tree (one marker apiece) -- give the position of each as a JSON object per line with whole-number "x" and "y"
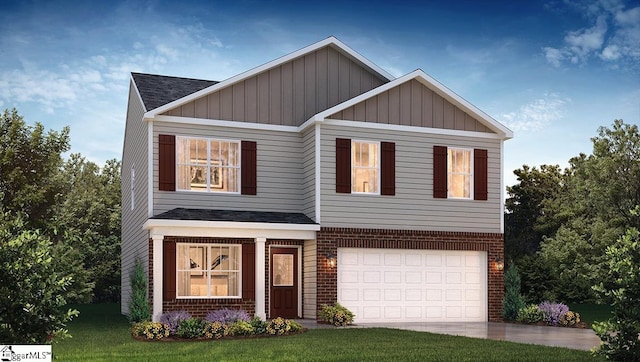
{"x": 513, "y": 300}
{"x": 30, "y": 158}
{"x": 526, "y": 220}
{"x": 576, "y": 214}
{"x": 90, "y": 216}
{"x": 621, "y": 289}
{"x": 33, "y": 289}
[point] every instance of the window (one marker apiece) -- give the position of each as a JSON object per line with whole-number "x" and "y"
{"x": 208, "y": 165}
{"x": 208, "y": 270}
{"x": 459, "y": 173}
{"x": 133, "y": 189}
{"x": 365, "y": 169}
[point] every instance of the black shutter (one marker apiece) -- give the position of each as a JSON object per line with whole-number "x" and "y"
{"x": 440, "y": 172}
{"x": 166, "y": 162}
{"x": 388, "y": 168}
{"x": 480, "y": 174}
{"x": 249, "y": 167}
{"x": 343, "y": 165}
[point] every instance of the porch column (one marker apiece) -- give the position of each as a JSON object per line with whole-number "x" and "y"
{"x": 260, "y": 270}
{"x": 157, "y": 277}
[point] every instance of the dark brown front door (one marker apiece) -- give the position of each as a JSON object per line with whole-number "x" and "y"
{"x": 284, "y": 282}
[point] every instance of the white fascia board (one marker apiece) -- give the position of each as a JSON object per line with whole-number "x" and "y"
{"x": 133, "y": 81}
{"x": 274, "y": 63}
{"x": 197, "y": 228}
{"x": 502, "y": 131}
{"x": 223, "y": 123}
{"x": 425, "y": 130}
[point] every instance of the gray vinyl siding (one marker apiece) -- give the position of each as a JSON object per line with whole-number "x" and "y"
{"x": 309, "y": 167}
{"x": 288, "y": 94}
{"x": 413, "y": 206}
{"x": 279, "y": 171}
{"x": 135, "y": 240}
{"x": 411, "y": 104}
{"x": 310, "y": 280}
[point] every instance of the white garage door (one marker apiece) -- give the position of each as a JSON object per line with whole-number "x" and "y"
{"x": 390, "y": 285}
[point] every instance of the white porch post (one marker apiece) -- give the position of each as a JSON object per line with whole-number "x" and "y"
{"x": 157, "y": 277}
{"x": 260, "y": 267}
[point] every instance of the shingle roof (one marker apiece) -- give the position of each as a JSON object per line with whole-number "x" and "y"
{"x": 235, "y": 216}
{"x": 158, "y": 90}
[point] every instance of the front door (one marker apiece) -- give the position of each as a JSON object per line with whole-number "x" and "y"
{"x": 284, "y": 283}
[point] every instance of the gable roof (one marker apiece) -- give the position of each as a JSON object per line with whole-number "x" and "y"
{"x": 430, "y": 83}
{"x": 330, "y": 41}
{"x": 158, "y": 90}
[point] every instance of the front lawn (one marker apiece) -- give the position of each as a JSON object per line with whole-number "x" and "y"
{"x": 101, "y": 334}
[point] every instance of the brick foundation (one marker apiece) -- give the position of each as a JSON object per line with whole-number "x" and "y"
{"x": 330, "y": 239}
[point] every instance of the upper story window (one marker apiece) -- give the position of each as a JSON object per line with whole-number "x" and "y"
{"x": 208, "y": 165}
{"x": 365, "y": 167}
{"x": 208, "y": 270}
{"x": 459, "y": 173}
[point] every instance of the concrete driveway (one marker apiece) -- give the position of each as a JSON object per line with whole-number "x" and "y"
{"x": 575, "y": 338}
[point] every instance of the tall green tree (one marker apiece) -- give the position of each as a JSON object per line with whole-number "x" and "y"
{"x": 90, "y": 217}
{"x": 526, "y": 222}
{"x": 30, "y": 159}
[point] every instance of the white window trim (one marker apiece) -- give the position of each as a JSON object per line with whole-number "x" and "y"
{"x": 208, "y": 245}
{"x": 209, "y": 190}
{"x": 471, "y": 174}
{"x": 379, "y": 168}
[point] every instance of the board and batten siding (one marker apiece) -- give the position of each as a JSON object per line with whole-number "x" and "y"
{"x": 411, "y": 104}
{"x": 288, "y": 94}
{"x": 279, "y": 171}
{"x": 413, "y": 206}
{"x": 309, "y": 172}
{"x": 134, "y": 239}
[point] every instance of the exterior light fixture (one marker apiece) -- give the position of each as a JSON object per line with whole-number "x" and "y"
{"x": 499, "y": 264}
{"x": 331, "y": 260}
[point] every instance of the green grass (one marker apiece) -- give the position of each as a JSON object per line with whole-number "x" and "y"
{"x": 101, "y": 334}
{"x": 590, "y": 313}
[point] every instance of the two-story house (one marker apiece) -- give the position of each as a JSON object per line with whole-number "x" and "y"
{"x": 317, "y": 177}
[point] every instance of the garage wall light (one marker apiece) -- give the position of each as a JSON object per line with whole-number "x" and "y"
{"x": 499, "y": 264}
{"x": 331, "y": 260}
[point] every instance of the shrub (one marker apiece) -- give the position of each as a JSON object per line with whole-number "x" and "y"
{"x": 214, "y": 330}
{"x": 239, "y": 328}
{"x": 513, "y": 300}
{"x": 570, "y": 319}
{"x": 259, "y": 326}
{"x": 138, "y": 306}
{"x": 336, "y": 314}
{"x": 620, "y": 288}
{"x": 227, "y": 316}
{"x": 294, "y": 326}
{"x": 191, "y": 328}
{"x": 150, "y": 330}
{"x": 173, "y": 319}
{"x": 278, "y": 326}
{"x": 530, "y": 314}
{"x": 552, "y": 312}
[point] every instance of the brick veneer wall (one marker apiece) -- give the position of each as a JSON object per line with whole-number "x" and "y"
{"x": 330, "y": 239}
{"x": 200, "y": 307}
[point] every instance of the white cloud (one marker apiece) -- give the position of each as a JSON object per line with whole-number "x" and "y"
{"x": 537, "y": 113}
{"x": 613, "y": 36}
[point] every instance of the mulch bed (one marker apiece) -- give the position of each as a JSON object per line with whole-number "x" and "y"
{"x": 581, "y": 325}
{"x": 202, "y": 339}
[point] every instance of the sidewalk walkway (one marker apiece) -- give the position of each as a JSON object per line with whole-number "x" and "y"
{"x": 574, "y": 338}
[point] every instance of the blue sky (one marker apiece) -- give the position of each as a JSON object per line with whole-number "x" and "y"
{"x": 553, "y": 71}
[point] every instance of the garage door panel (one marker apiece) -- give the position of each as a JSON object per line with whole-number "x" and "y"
{"x": 412, "y": 285}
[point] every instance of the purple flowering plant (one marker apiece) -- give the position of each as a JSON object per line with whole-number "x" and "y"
{"x": 173, "y": 319}
{"x": 227, "y": 316}
{"x": 552, "y": 312}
